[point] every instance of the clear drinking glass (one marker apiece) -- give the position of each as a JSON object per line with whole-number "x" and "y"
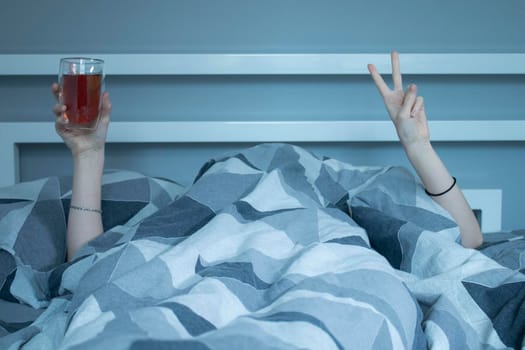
{"x": 81, "y": 82}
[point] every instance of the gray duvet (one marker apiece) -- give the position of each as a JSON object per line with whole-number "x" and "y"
{"x": 270, "y": 248}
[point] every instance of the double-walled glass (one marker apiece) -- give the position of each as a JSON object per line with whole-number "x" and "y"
{"x": 81, "y": 82}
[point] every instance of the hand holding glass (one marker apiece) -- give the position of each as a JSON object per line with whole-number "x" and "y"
{"x": 81, "y": 85}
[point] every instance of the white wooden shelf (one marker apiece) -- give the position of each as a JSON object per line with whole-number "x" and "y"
{"x": 272, "y": 64}
{"x": 14, "y": 134}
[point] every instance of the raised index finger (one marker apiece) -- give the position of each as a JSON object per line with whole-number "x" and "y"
{"x": 378, "y": 80}
{"x": 396, "y": 71}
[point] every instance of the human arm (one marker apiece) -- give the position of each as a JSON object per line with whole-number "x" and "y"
{"x": 87, "y": 149}
{"x": 407, "y": 112}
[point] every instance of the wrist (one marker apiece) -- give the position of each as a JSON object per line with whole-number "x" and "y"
{"x": 88, "y": 163}
{"x": 88, "y": 154}
{"x": 418, "y": 149}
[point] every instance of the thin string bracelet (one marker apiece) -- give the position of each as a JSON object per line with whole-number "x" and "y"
{"x": 442, "y": 193}
{"x": 85, "y": 209}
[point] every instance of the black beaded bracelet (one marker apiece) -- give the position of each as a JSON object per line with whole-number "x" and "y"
{"x": 442, "y": 193}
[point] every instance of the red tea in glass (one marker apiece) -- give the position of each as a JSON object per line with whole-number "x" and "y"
{"x": 81, "y": 95}
{"x": 81, "y": 82}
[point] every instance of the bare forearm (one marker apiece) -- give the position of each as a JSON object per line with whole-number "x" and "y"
{"x": 84, "y": 225}
{"x": 407, "y": 112}
{"x": 436, "y": 179}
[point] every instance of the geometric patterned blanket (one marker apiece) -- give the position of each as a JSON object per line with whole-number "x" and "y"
{"x": 271, "y": 247}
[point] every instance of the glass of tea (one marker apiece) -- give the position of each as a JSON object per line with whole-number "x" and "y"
{"x": 81, "y": 82}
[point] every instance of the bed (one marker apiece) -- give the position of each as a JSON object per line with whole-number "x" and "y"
{"x": 271, "y": 246}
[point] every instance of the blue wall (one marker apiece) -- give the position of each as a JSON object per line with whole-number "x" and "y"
{"x": 269, "y": 25}
{"x": 198, "y": 26}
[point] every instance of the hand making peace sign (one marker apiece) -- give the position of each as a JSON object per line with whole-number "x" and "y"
{"x": 405, "y": 108}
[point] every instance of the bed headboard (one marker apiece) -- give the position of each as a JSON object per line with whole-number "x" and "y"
{"x": 487, "y": 201}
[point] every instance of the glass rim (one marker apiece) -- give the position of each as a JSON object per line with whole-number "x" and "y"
{"x": 82, "y": 60}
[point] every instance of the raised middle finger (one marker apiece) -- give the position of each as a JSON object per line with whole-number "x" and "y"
{"x": 378, "y": 80}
